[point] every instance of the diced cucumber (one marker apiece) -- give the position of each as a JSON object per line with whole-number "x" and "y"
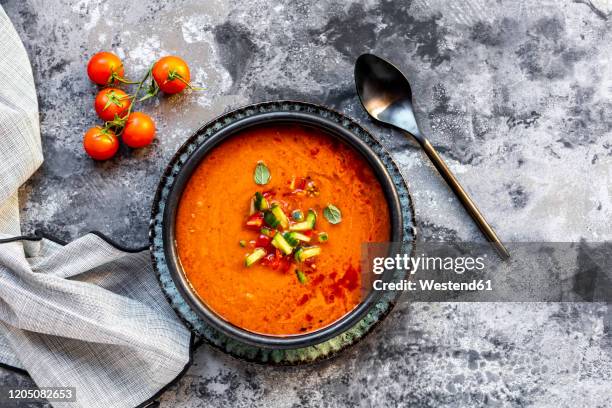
{"x": 307, "y": 224}
{"x": 260, "y": 202}
{"x": 281, "y": 243}
{"x": 311, "y": 218}
{"x": 299, "y": 236}
{"x": 307, "y": 252}
{"x": 280, "y": 215}
{"x": 290, "y": 239}
{"x": 267, "y": 232}
{"x": 252, "y": 209}
{"x": 255, "y": 256}
{"x": 294, "y": 238}
{"x": 301, "y": 276}
{"x": 300, "y": 226}
{"x": 297, "y": 215}
{"x": 271, "y": 219}
{"x": 322, "y": 237}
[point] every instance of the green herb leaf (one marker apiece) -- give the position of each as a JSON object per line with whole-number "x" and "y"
{"x": 262, "y": 174}
{"x": 301, "y": 276}
{"x": 332, "y": 214}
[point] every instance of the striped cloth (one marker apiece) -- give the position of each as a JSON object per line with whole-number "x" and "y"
{"x": 86, "y": 314}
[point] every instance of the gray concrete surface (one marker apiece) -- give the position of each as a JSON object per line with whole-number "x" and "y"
{"x": 515, "y": 94}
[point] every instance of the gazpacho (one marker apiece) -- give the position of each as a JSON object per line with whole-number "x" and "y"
{"x": 270, "y": 227}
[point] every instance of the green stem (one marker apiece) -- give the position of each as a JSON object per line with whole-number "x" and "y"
{"x": 172, "y": 75}
{"x": 120, "y": 122}
{"x": 125, "y": 81}
{"x": 193, "y": 88}
{"x": 134, "y": 99}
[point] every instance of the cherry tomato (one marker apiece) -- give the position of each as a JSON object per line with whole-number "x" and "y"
{"x": 102, "y": 66}
{"x": 100, "y": 144}
{"x": 139, "y": 130}
{"x": 171, "y": 74}
{"x": 110, "y": 102}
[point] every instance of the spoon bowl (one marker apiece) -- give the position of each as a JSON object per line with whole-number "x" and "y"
{"x": 385, "y": 93}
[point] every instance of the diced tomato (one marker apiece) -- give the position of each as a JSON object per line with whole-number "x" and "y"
{"x": 262, "y": 241}
{"x": 297, "y": 184}
{"x": 310, "y": 261}
{"x": 277, "y": 261}
{"x": 255, "y": 221}
{"x": 267, "y": 260}
{"x": 284, "y": 263}
{"x": 273, "y": 259}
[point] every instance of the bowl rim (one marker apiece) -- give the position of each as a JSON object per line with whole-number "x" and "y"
{"x": 255, "y": 119}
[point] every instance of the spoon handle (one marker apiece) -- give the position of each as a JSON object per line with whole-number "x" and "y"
{"x": 465, "y": 199}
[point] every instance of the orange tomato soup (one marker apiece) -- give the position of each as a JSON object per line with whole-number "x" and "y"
{"x": 212, "y": 237}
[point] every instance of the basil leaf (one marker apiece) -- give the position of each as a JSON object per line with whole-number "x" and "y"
{"x": 262, "y": 174}
{"x": 332, "y": 214}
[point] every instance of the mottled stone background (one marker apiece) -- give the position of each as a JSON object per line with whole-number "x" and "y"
{"x": 517, "y": 95}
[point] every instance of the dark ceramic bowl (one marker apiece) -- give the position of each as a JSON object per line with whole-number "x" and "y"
{"x": 178, "y": 173}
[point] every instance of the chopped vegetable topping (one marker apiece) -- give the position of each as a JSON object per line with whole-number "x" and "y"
{"x": 271, "y": 219}
{"x": 280, "y": 215}
{"x": 282, "y": 239}
{"x": 306, "y": 225}
{"x": 299, "y": 236}
{"x": 260, "y": 202}
{"x": 301, "y": 276}
{"x": 311, "y": 189}
{"x": 262, "y": 174}
{"x": 266, "y": 231}
{"x": 332, "y": 214}
{"x": 254, "y": 257}
{"x": 297, "y": 215}
{"x": 295, "y": 238}
{"x": 255, "y": 221}
{"x": 262, "y": 241}
{"x": 281, "y": 243}
{"x": 252, "y": 209}
{"x": 304, "y": 253}
{"x": 291, "y": 239}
